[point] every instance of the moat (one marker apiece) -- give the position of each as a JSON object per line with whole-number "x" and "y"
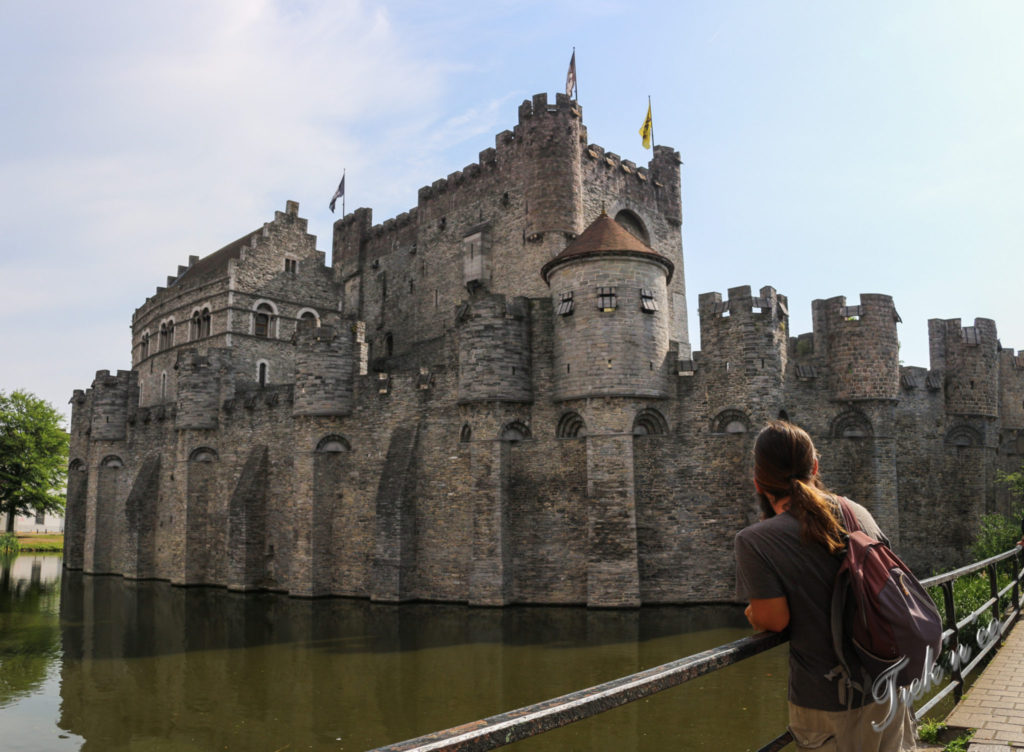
{"x": 103, "y": 663}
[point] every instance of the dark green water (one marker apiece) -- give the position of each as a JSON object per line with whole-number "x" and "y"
{"x": 101, "y": 663}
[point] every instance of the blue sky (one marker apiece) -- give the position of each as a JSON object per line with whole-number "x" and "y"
{"x": 829, "y": 148}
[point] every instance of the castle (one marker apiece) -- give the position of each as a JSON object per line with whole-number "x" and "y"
{"x": 492, "y": 399}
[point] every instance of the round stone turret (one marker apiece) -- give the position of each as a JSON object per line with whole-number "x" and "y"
{"x": 611, "y": 330}
{"x": 862, "y": 346}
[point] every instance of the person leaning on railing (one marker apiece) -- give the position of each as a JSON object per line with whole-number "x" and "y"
{"x": 786, "y": 566}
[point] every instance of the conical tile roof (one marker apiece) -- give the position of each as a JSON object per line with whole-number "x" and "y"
{"x": 606, "y": 237}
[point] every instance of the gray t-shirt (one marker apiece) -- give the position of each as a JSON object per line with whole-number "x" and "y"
{"x": 771, "y": 562}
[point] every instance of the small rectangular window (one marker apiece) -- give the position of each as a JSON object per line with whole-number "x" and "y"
{"x": 606, "y": 300}
{"x": 291, "y": 266}
{"x": 647, "y": 304}
{"x": 565, "y": 305}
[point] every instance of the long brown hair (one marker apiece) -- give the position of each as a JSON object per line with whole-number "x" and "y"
{"x": 785, "y": 465}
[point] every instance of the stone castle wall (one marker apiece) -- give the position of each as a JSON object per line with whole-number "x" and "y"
{"x": 438, "y": 430}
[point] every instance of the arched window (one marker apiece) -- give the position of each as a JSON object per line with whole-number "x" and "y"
{"x": 112, "y": 461}
{"x": 205, "y": 321}
{"x": 963, "y": 436}
{"x": 571, "y": 426}
{"x": 203, "y": 454}
{"x": 170, "y": 333}
{"x": 197, "y": 326}
{"x": 633, "y": 224}
{"x": 262, "y": 372}
{"x": 852, "y": 425}
{"x": 515, "y": 431}
{"x": 466, "y": 434}
{"x": 76, "y": 466}
{"x": 731, "y": 421}
{"x": 163, "y": 385}
{"x": 649, "y": 422}
{"x": 264, "y": 320}
{"x": 144, "y": 348}
{"x": 333, "y": 443}
{"x": 162, "y": 344}
{"x": 307, "y": 320}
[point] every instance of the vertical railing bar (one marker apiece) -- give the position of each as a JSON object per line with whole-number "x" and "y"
{"x": 947, "y": 602}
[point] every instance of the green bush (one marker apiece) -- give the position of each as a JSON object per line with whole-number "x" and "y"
{"x": 998, "y": 533}
{"x": 9, "y": 544}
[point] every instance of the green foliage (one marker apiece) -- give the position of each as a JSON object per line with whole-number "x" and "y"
{"x": 928, "y": 731}
{"x": 960, "y": 743}
{"x": 9, "y": 544}
{"x": 1014, "y": 481}
{"x": 33, "y": 456}
{"x": 998, "y": 533}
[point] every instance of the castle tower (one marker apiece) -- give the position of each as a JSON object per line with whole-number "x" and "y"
{"x": 111, "y": 396}
{"x": 324, "y": 372}
{"x": 969, "y": 357}
{"x": 198, "y": 391}
{"x": 861, "y": 354}
{"x": 611, "y": 332}
{"x": 743, "y": 349}
{"x": 551, "y": 176}
{"x": 862, "y": 348}
{"x": 494, "y": 350}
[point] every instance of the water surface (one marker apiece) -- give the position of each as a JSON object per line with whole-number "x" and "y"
{"x": 103, "y": 663}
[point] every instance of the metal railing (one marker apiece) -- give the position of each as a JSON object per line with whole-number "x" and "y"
{"x": 515, "y": 725}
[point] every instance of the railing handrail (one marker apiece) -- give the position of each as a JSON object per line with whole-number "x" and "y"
{"x": 515, "y": 725}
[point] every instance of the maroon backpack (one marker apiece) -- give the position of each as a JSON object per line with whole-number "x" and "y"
{"x": 881, "y": 615}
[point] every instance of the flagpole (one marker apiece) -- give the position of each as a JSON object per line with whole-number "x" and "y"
{"x": 343, "y": 193}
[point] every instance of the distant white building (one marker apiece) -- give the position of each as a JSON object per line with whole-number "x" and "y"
{"x": 39, "y": 522}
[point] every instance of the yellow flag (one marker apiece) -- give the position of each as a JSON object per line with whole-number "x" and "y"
{"x": 647, "y": 128}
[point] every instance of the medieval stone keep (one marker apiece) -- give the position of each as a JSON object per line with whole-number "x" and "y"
{"x": 492, "y": 399}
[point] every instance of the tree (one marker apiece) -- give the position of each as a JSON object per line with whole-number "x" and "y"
{"x": 33, "y": 457}
{"x": 999, "y": 532}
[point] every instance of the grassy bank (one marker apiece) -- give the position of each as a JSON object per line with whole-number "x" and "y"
{"x": 41, "y": 542}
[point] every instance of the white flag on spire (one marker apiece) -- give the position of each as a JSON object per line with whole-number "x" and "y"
{"x": 570, "y": 77}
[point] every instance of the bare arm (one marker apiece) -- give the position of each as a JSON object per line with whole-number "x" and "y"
{"x": 769, "y": 614}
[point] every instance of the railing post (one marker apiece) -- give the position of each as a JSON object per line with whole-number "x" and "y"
{"x": 993, "y": 588}
{"x": 947, "y": 602}
{"x": 1018, "y": 573}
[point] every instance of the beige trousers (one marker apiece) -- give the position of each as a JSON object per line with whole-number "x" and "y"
{"x": 850, "y": 730}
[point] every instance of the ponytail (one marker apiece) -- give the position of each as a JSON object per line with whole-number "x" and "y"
{"x": 816, "y": 513}
{"x": 785, "y": 464}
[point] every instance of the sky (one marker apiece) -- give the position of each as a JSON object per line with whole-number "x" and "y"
{"x": 829, "y": 148}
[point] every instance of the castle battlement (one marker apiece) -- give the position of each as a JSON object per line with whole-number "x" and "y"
{"x": 491, "y": 398}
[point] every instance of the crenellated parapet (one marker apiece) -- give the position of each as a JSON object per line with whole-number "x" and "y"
{"x": 968, "y": 356}
{"x": 744, "y": 347}
{"x": 1011, "y": 390}
{"x": 109, "y": 400}
{"x": 859, "y": 345}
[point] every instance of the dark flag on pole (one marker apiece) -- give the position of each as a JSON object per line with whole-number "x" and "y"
{"x": 340, "y": 193}
{"x": 570, "y": 77}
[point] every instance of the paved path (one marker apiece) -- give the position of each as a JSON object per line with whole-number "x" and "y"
{"x": 995, "y": 702}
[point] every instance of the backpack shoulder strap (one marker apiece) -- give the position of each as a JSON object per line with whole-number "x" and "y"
{"x": 849, "y": 516}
